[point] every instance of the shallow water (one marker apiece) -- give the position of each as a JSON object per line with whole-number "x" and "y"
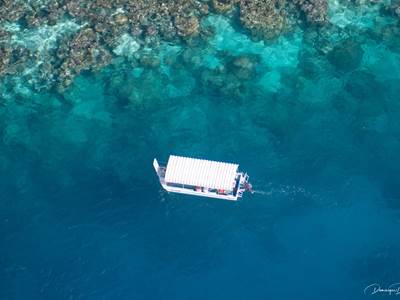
{"x": 82, "y": 214}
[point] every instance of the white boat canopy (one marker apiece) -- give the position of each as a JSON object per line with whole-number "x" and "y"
{"x": 200, "y": 172}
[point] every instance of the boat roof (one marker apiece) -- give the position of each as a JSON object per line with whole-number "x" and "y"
{"x": 201, "y": 172}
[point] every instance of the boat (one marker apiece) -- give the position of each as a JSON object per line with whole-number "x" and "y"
{"x": 200, "y": 177}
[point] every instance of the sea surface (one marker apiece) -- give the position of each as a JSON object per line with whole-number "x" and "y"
{"x": 83, "y": 216}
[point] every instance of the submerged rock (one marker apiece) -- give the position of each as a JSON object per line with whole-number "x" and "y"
{"x": 243, "y": 67}
{"x": 390, "y": 34}
{"x": 150, "y": 61}
{"x": 357, "y": 87}
{"x": 394, "y": 8}
{"x": 312, "y": 65}
{"x": 347, "y": 55}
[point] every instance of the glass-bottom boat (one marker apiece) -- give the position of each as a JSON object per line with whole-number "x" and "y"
{"x": 201, "y": 177}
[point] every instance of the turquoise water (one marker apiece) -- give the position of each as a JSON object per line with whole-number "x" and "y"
{"x": 313, "y": 117}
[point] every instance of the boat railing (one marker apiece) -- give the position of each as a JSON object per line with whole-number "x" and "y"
{"x": 160, "y": 169}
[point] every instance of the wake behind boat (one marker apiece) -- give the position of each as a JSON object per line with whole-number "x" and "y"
{"x": 202, "y": 177}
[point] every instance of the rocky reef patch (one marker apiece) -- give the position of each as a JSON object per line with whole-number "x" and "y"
{"x": 227, "y": 43}
{"x": 57, "y": 40}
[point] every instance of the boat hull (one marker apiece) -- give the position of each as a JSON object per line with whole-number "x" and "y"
{"x": 196, "y": 193}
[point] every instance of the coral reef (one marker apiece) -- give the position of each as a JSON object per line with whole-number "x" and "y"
{"x": 315, "y": 11}
{"x": 105, "y": 25}
{"x": 4, "y": 51}
{"x": 83, "y": 52}
{"x": 223, "y": 6}
{"x": 13, "y": 59}
{"x": 264, "y": 19}
{"x": 57, "y": 40}
{"x": 187, "y": 26}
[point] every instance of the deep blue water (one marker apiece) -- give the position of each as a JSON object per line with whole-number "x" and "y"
{"x": 82, "y": 215}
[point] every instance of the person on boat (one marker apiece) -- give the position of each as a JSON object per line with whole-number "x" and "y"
{"x": 249, "y": 187}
